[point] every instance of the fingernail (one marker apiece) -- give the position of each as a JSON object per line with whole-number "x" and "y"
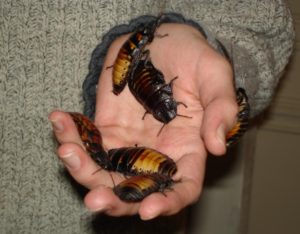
{"x": 57, "y": 125}
{"x": 149, "y": 216}
{"x": 100, "y": 209}
{"x": 145, "y": 218}
{"x": 221, "y": 134}
{"x": 71, "y": 160}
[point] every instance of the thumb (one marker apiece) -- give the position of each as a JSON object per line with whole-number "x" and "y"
{"x": 219, "y": 117}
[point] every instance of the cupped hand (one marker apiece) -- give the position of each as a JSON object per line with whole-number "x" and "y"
{"x": 204, "y": 85}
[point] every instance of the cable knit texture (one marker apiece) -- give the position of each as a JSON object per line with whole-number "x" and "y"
{"x": 45, "y": 51}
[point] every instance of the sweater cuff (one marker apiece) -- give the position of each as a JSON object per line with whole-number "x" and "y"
{"x": 97, "y": 59}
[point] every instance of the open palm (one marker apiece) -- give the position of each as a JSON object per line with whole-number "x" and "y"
{"x": 204, "y": 85}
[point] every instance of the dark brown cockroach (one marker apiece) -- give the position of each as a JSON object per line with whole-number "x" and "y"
{"x": 148, "y": 86}
{"x": 126, "y": 160}
{"x": 138, "y": 187}
{"x": 242, "y": 118}
{"x": 151, "y": 170}
{"x": 141, "y": 160}
{"x": 92, "y": 140}
{"x": 130, "y": 53}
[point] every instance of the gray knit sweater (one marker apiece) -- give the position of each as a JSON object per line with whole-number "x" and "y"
{"x": 45, "y": 55}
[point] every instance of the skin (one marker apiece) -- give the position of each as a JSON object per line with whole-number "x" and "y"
{"x": 204, "y": 84}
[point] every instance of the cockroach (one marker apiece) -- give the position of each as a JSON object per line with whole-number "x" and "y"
{"x": 126, "y": 160}
{"x": 242, "y": 118}
{"x": 148, "y": 86}
{"x": 138, "y": 187}
{"x": 151, "y": 170}
{"x": 92, "y": 139}
{"x": 141, "y": 160}
{"x": 130, "y": 52}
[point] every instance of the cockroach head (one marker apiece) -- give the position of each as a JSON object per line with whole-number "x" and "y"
{"x": 166, "y": 111}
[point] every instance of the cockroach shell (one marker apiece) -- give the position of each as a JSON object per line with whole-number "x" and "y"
{"x": 130, "y": 53}
{"x": 87, "y": 130}
{"x": 121, "y": 71}
{"x": 138, "y": 187}
{"x": 91, "y": 138}
{"x": 148, "y": 86}
{"x": 141, "y": 160}
{"x": 241, "y": 126}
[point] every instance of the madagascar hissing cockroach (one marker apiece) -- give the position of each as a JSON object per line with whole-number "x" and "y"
{"x": 148, "y": 86}
{"x": 130, "y": 53}
{"x": 141, "y": 160}
{"x": 138, "y": 187}
{"x": 151, "y": 170}
{"x": 92, "y": 139}
{"x": 242, "y": 118}
{"x": 126, "y": 160}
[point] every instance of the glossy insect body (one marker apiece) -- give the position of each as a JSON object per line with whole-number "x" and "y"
{"x": 242, "y": 119}
{"x": 138, "y": 187}
{"x": 151, "y": 170}
{"x": 126, "y": 160}
{"x": 150, "y": 89}
{"x": 141, "y": 160}
{"x": 130, "y": 53}
{"x": 92, "y": 140}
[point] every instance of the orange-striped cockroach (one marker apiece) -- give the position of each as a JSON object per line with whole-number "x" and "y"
{"x": 138, "y": 187}
{"x": 148, "y": 86}
{"x": 92, "y": 139}
{"x": 141, "y": 160}
{"x": 242, "y": 118}
{"x": 126, "y": 160}
{"x": 131, "y": 52}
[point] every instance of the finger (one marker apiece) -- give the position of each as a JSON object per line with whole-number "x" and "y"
{"x": 64, "y": 128}
{"x": 217, "y": 95}
{"x": 170, "y": 201}
{"x": 82, "y": 168}
{"x": 219, "y": 117}
{"x": 102, "y": 199}
{"x": 72, "y": 152}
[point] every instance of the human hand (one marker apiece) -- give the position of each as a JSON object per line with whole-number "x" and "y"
{"x": 204, "y": 84}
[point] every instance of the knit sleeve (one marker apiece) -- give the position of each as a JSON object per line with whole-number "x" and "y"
{"x": 258, "y": 36}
